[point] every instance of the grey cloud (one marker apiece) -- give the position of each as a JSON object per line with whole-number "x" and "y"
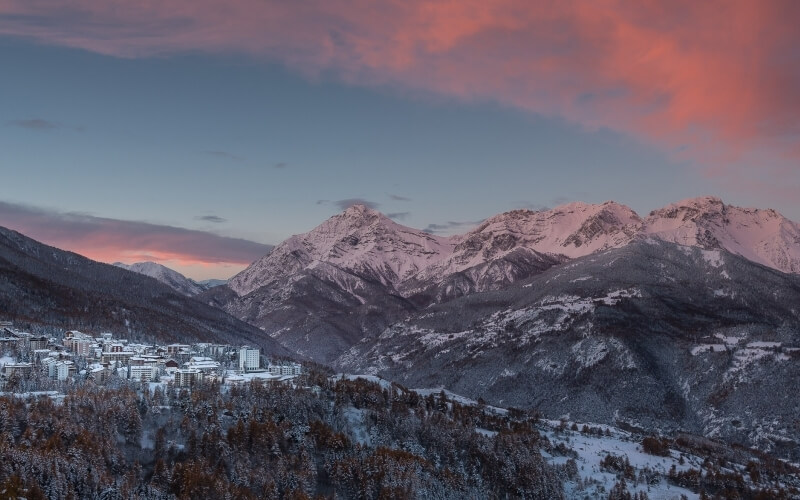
{"x": 224, "y": 154}
{"x": 451, "y": 227}
{"x": 349, "y": 202}
{"x": 35, "y": 124}
{"x": 211, "y": 218}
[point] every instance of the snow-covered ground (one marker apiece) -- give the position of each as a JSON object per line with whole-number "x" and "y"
{"x": 232, "y": 377}
{"x": 592, "y": 449}
{"x": 57, "y": 397}
{"x": 588, "y": 449}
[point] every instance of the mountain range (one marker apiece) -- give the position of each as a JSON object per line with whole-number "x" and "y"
{"x": 687, "y": 319}
{"x": 320, "y": 292}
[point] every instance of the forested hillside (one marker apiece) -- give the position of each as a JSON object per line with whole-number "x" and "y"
{"x": 352, "y": 439}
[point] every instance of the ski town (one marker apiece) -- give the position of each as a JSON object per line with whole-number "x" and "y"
{"x": 30, "y": 362}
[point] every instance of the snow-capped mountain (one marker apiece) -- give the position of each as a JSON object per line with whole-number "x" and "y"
{"x": 360, "y": 241}
{"x": 571, "y": 230}
{"x": 169, "y": 277}
{"x": 322, "y": 291}
{"x": 514, "y": 245}
{"x": 762, "y": 236}
{"x": 368, "y": 244}
{"x": 520, "y": 243}
{"x": 359, "y": 264}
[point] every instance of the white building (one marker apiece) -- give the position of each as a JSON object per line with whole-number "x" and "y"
{"x": 202, "y": 363}
{"x": 249, "y": 359}
{"x": 58, "y": 369}
{"x": 187, "y": 378}
{"x": 21, "y": 368}
{"x": 285, "y": 368}
{"x": 50, "y": 365}
{"x": 143, "y": 372}
{"x": 63, "y": 369}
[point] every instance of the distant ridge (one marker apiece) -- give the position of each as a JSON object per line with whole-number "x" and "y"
{"x": 171, "y": 278}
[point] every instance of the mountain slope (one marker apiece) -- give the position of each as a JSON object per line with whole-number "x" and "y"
{"x": 169, "y": 277}
{"x": 43, "y": 285}
{"x": 653, "y": 334}
{"x": 762, "y": 236}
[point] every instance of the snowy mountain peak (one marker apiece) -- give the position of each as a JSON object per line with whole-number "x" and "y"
{"x": 513, "y": 245}
{"x": 364, "y": 243}
{"x": 359, "y": 215}
{"x": 571, "y": 230}
{"x": 691, "y": 208}
{"x": 359, "y": 241}
{"x": 170, "y": 277}
{"x": 360, "y": 210}
{"x": 763, "y": 236}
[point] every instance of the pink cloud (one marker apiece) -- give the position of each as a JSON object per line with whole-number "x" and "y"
{"x": 112, "y": 240}
{"x": 718, "y": 79}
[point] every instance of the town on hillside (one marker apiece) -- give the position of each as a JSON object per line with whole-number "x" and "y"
{"x": 30, "y": 362}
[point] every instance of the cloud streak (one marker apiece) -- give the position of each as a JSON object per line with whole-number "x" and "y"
{"x": 451, "y": 227}
{"x": 224, "y": 155}
{"x": 112, "y": 240}
{"x": 211, "y": 218}
{"x": 715, "y": 82}
{"x": 349, "y": 202}
{"x": 35, "y": 124}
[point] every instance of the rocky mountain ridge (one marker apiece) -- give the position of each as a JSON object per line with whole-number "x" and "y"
{"x": 359, "y": 271}
{"x": 370, "y": 245}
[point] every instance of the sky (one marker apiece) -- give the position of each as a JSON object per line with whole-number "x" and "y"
{"x": 197, "y": 133}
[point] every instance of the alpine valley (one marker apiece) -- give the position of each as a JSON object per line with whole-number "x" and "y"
{"x": 685, "y": 320}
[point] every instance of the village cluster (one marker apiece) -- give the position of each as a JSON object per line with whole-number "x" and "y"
{"x": 77, "y": 355}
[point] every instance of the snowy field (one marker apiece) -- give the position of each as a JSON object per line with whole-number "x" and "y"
{"x": 592, "y": 449}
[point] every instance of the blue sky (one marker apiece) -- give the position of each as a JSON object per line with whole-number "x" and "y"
{"x": 249, "y": 146}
